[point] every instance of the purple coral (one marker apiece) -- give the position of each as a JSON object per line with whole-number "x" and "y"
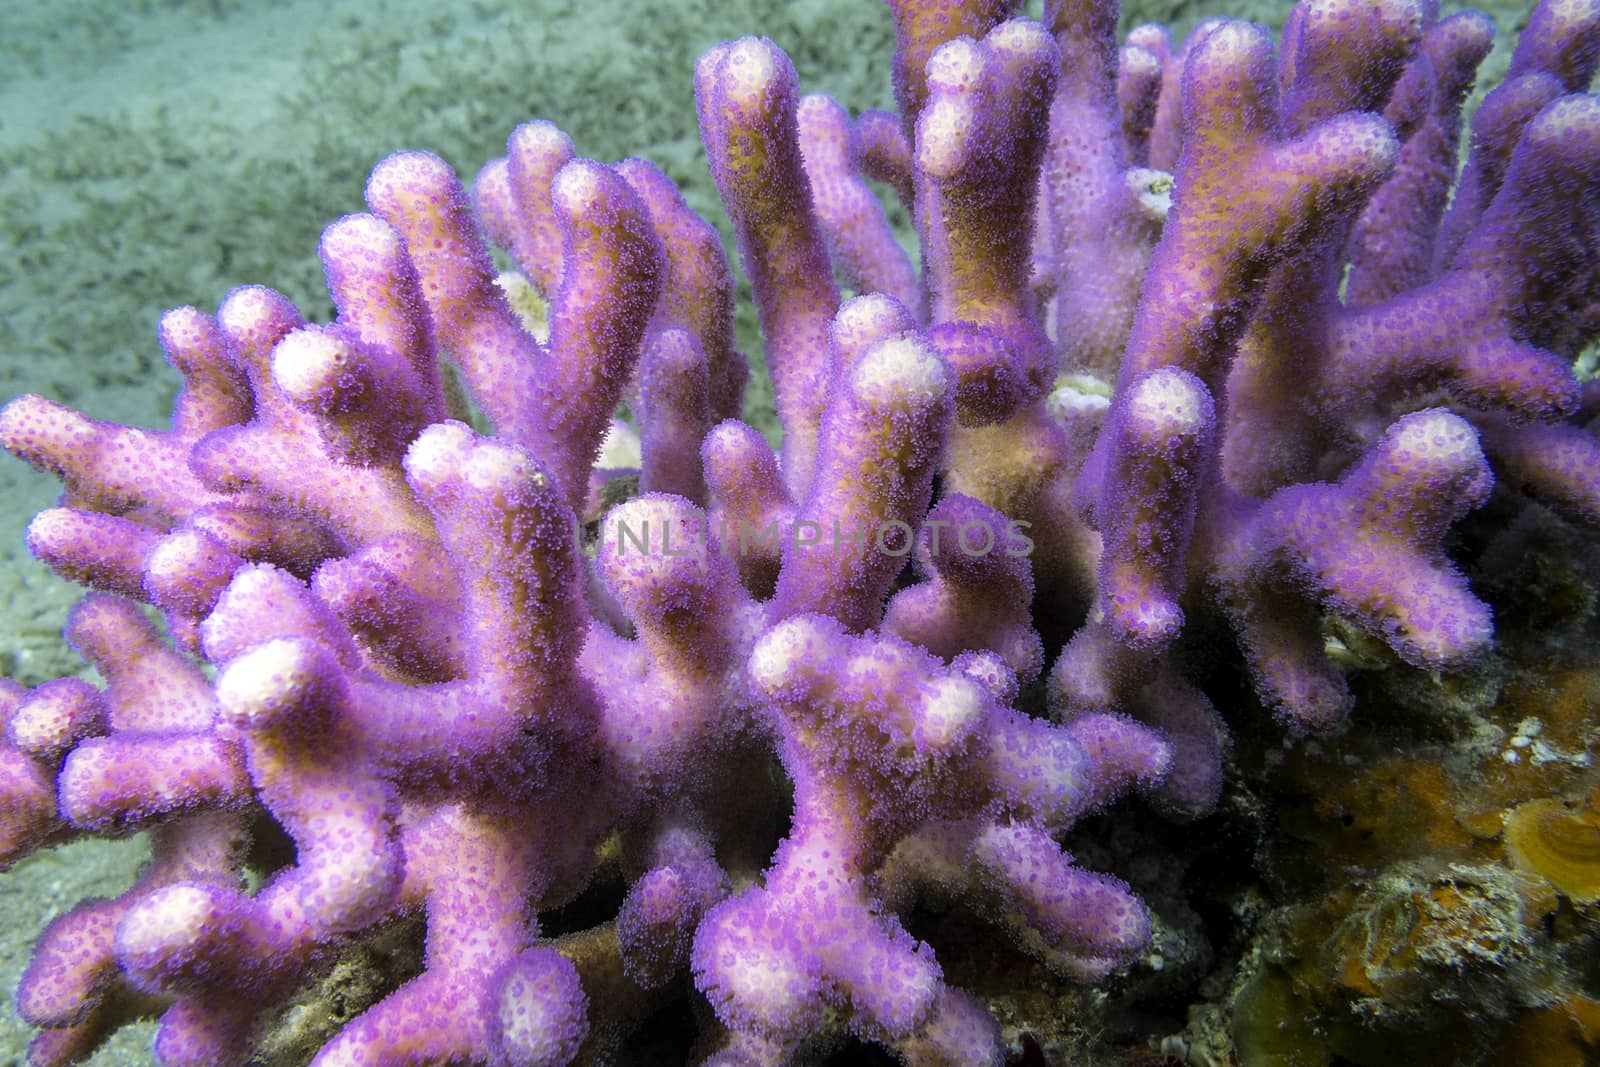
{"x": 463, "y": 677}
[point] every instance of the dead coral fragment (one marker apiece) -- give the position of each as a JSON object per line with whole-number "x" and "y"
{"x": 1415, "y": 938}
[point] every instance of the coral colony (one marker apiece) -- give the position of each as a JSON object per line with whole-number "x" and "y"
{"x": 1200, "y": 331}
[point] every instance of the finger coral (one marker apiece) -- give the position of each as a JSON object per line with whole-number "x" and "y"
{"x": 1201, "y": 337}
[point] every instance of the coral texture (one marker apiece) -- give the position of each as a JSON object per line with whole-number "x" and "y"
{"x": 1200, "y": 333}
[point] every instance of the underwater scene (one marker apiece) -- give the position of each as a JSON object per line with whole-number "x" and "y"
{"x": 947, "y": 532}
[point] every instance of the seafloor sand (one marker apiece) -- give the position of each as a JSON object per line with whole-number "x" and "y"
{"x": 159, "y": 152}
